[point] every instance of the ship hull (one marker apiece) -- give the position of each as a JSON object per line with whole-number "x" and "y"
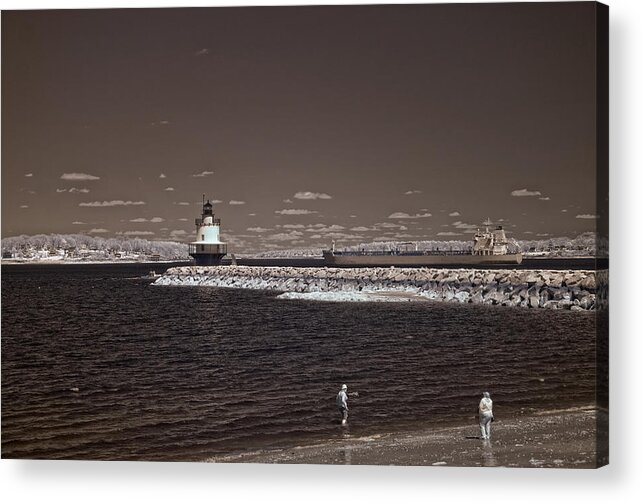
{"x": 366, "y": 260}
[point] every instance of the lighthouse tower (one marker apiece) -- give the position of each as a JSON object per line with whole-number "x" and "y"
{"x": 207, "y": 249}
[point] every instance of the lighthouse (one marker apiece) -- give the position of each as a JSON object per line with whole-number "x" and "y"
{"x": 207, "y": 249}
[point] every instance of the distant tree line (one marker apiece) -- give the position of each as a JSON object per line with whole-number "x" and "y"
{"x": 25, "y": 245}
{"x": 583, "y": 245}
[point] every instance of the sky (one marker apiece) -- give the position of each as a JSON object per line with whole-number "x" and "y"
{"x": 303, "y": 124}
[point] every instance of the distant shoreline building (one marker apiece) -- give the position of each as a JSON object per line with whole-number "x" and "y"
{"x": 207, "y": 249}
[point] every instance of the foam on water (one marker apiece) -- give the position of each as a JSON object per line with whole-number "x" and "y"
{"x": 347, "y": 296}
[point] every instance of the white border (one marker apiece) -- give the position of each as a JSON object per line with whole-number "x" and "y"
{"x": 110, "y": 481}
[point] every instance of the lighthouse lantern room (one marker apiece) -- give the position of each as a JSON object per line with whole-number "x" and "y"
{"x": 207, "y": 249}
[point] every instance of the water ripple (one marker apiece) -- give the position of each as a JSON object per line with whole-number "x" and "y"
{"x": 99, "y": 365}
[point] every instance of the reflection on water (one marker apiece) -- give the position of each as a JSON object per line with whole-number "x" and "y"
{"x": 487, "y": 457}
{"x": 166, "y": 373}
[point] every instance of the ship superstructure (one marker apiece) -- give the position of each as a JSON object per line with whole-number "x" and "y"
{"x": 207, "y": 249}
{"x": 490, "y": 242}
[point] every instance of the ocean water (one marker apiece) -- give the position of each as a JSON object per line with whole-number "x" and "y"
{"x": 99, "y": 364}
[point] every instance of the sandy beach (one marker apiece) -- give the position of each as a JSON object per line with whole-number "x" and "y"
{"x": 558, "y": 438}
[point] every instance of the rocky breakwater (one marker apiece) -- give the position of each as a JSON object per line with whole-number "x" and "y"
{"x": 551, "y": 289}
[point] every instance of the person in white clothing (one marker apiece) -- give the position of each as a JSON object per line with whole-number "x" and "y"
{"x": 342, "y": 403}
{"x": 485, "y": 415}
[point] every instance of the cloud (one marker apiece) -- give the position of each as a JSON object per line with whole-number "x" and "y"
{"x": 545, "y": 198}
{"x": 78, "y": 177}
{"x": 202, "y": 174}
{"x": 399, "y": 215}
{"x": 387, "y": 224}
{"x": 162, "y": 175}
{"x": 311, "y": 195}
{"x": 169, "y": 189}
{"x": 360, "y": 229}
{"x": 259, "y": 230}
{"x": 177, "y": 233}
{"x": 565, "y": 210}
{"x": 202, "y": 52}
{"x": 155, "y": 219}
{"x": 466, "y": 226}
{"x": 72, "y": 190}
{"x": 182, "y": 219}
{"x": 108, "y": 203}
{"x": 525, "y": 193}
{"x": 136, "y": 232}
{"x": 24, "y": 207}
{"x": 79, "y": 223}
{"x": 324, "y": 229}
{"x": 587, "y": 216}
{"x": 454, "y": 213}
{"x": 295, "y": 211}
{"x": 448, "y": 233}
{"x": 288, "y": 201}
{"x": 336, "y": 235}
{"x": 290, "y": 236}
{"x": 98, "y": 231}
{"x": 236, "y": 202}
{"x": 412, "y": 192}
{"x": 289, "y": 225}
{"x": 182, "y": 203}
{"x": 28, "y": 175}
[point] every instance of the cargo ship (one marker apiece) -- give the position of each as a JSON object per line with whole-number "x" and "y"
{"x": 490, "y": 247}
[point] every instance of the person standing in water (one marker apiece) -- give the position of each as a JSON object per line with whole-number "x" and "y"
{"x": 342, "y": 403}
{"x": 485, "y": 415}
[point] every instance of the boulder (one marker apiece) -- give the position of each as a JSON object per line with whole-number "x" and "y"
{"x": 529, "y": 278}
{"x": 588, "y": 282}
{"x": 489, "y": 278}
{"x": 477, "y": 297}
{"x": 544, "y": 296}
{"x": 555, "y": 280}
{"x": 494, "y": 297}
{"x": 588, "y": 302}
{"x": 462, "y": 296}
{"x": 573, "y": 279}
{"x": 562, "y": 294}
